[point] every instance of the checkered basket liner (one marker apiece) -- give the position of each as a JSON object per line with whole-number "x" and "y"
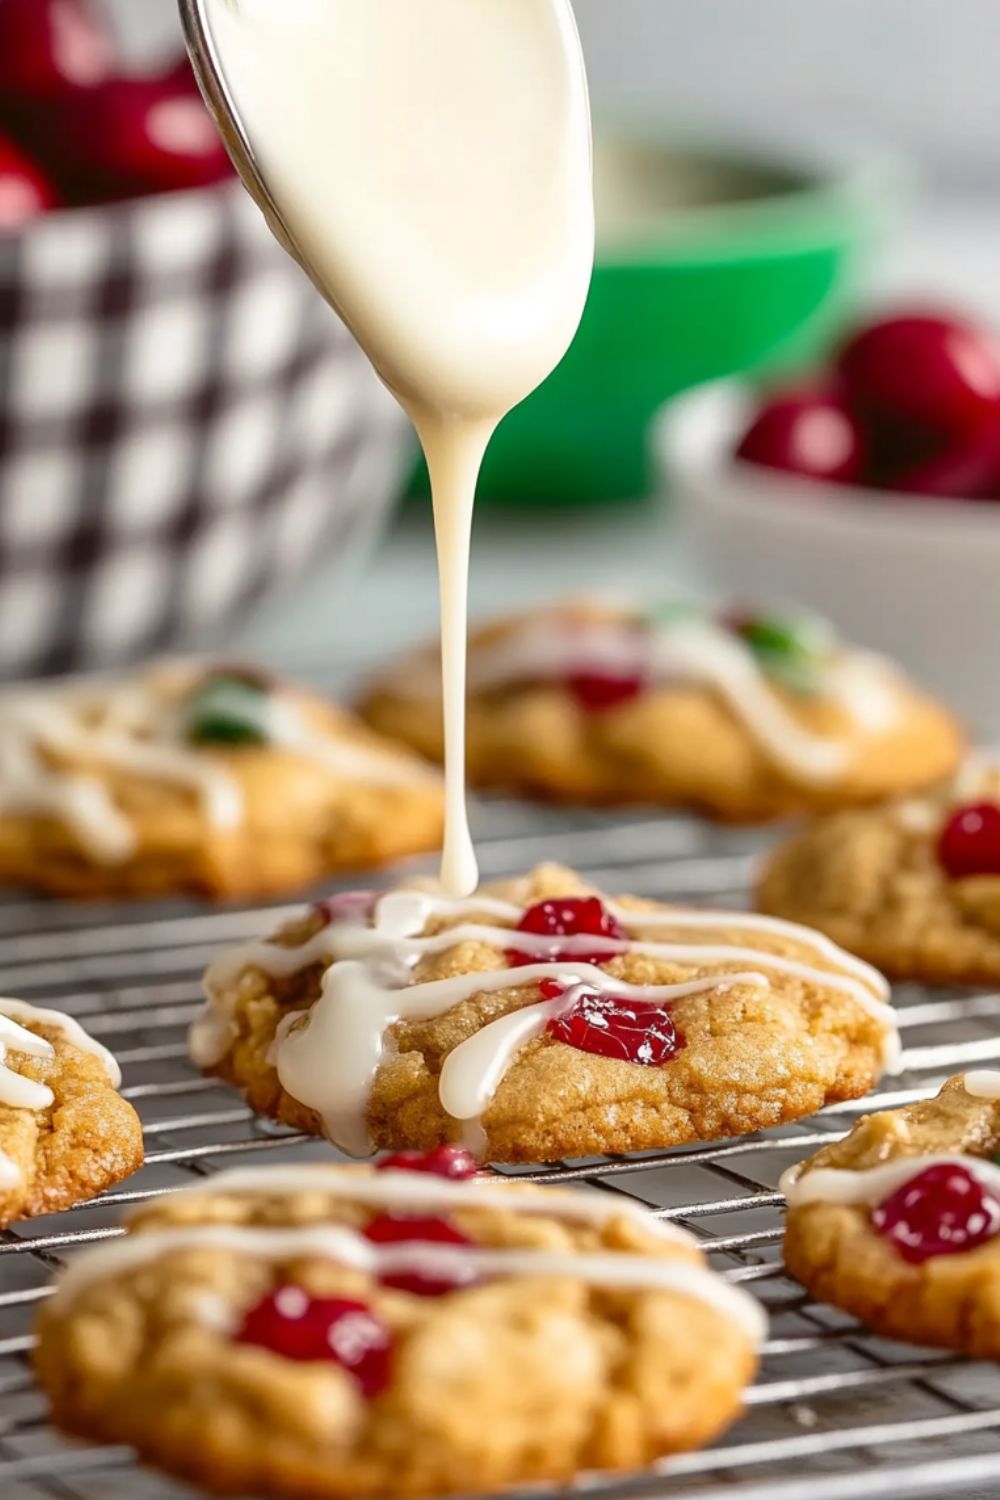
{"x": 183, "y": 423}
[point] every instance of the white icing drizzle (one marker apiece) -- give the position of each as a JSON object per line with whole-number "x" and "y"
{"x": 616, "y": 1270}
{"x": 18, "y": 1092}
{"x": 697, "y": 649}
{"x": 420, "y": 1191}
{"x": 983, "y": 1083}
{"x": 871, "y": 1185}
{"x": 130, "y": 725}
{"x": 327, "y": 1056}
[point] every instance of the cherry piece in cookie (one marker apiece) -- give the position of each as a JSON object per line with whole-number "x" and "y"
{"x": 969, "y": 843}
{"x": 292, "y": 1324}
{"x": 811, "y": 433}
{"x": 942, "y": 1212}
{"x": 452, "y": 1162}
{"x": 414, "y": 1229}
{"x": 597, "y": 692}
{"x": 936, "y": 372}
{"x": 573, "y": 916}
{"x": 635, "y": 1031}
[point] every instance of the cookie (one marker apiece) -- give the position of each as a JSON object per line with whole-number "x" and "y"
{"x": 66, "y": 1133}
{"x": 913, "y": 885}
{"x": 539, "y": 1020}
{"x": 379, "y": 1333}
{"x": 745, "y": 718}
{"x": 193, "y": 777}
{"x": 899, "y": 1224}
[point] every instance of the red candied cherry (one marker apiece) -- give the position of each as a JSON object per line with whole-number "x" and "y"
{"x": 24, "y": 191}
{"x": 969, "y": 843}
{"x": 291, "y": 1323}
{"x": 941, "y": 1212}
{"x": 568, "y": 916}
{"x": 410, "y": 1229}
{"x": 808, "y": 432}
{"x": 143, "y": 135}
{"x": 452, "y": 1162}
{"x": 597, "y": 692}
{"x": 925, "y": 369}
{"x": 51, "y": 47}
{"x": 635, "y": 1031}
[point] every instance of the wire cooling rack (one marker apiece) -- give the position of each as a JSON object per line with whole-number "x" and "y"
{"x": 835, "y": 1413}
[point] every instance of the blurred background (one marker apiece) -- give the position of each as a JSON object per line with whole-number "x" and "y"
{"x": 188, "y": 453}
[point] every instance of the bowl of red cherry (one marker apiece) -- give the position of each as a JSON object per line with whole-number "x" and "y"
{"x": 870, "y": 492}
{"x": 183, "y": 422}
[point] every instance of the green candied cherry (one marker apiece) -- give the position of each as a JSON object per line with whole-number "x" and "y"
{"x": 227, "y": 708}
{"x": 793, "y": 650}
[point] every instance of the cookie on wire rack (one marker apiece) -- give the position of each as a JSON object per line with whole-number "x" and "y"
{"x": 899, "y": 1223}
{"x": 913, "y": 885}
{"x": 540, "y": 1020}
{"x": 323, "y": 1331}
{"x": 66, "y": 1133}
{"x": 744, "y": 716}
{"x": 193, "y": 776}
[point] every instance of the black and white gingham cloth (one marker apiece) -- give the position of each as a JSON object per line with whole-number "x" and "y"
{"x": 183, "y": 423}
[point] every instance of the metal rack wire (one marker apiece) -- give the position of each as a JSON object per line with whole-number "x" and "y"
{"x": 836, "y": 1412}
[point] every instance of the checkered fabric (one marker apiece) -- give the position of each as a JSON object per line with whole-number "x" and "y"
{"x": 183, "y": 422}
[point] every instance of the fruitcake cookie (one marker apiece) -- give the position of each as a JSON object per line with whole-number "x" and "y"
{"x": 745, "y": 717}
{"x": 538, "y": 1020}
{"x": 899, "y": 1224}
{"x": 370, "y": 1333}
{"x": 66, "y": 1133}
{"x": 190, "y": 776}
{"x": 913, "y": 885}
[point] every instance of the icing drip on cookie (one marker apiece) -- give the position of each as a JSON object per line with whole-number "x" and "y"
{"x": 18, "y": 1092}
{"x": 869, "y": 1186}
{"x": 415, "y": 1193}
{"x": 690, "y": 648}
{"x": 983, "y": 1083}
{"x": 614, "y": 1269}
{"x": 327, "y": 1056}
{"x": 58, "y": 741}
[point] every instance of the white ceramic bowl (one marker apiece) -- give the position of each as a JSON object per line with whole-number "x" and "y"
{"x": 918, "y": 579}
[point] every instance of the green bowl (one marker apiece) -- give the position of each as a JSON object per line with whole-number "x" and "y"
{"x": 707, "y": 265}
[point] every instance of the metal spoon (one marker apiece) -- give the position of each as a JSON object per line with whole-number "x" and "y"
{"x": 210, "y": 73}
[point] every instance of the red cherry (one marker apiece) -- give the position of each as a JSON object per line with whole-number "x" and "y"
{"x": 452, "y": 1162}
{"x": 406, "y": 1229}
{"x": 51, "y": 47}
{"x": 942, "y": 1212}
{"x": 596, "y": 692}
{"x": 569, "y": 916}
{"x": 808, "y": 432}
{"x": 291, "y": 1323}
{"x": 925, "y": 369}
{"x": 24, "y": 191}
{"x": 969, "y": 843}
{"x": 135, "y": 136}
{"x": 635, "y": 1031}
